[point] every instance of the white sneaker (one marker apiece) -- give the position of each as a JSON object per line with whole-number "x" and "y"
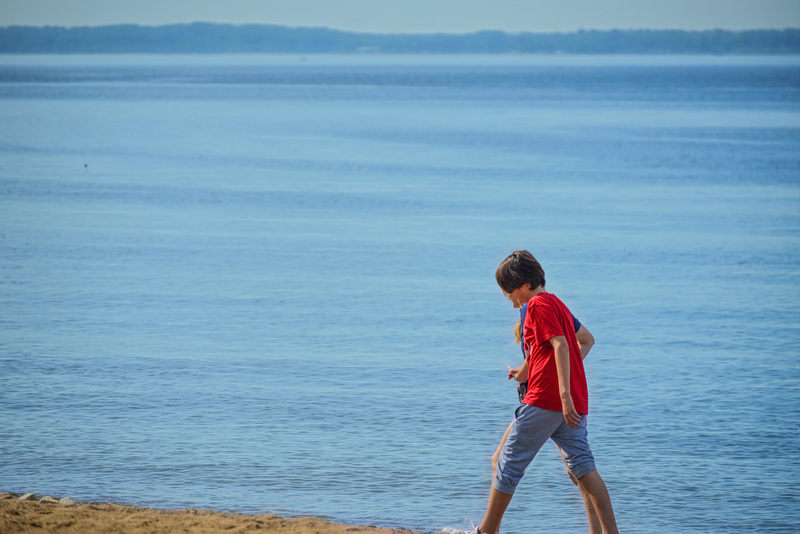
{"x": 472, "y": 529}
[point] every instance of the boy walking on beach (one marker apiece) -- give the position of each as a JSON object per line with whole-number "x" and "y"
{"x": 556, "y": 403}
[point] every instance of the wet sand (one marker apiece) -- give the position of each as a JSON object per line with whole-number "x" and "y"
{"x": 33, "y": 516}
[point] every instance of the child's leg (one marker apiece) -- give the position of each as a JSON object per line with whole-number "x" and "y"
{"x": 579, "y": 459}
{"x": 598, "y": 493}
{"x": 498, "y": 502}
{"x": 594, "y": 521}
{"x": 528, "y": 432}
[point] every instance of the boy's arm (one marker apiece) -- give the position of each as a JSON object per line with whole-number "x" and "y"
{"x": 585, "y": 341}
{"x": 561, "y": 349}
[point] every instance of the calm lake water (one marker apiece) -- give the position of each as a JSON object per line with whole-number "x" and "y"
{"x": 266, "y": 283}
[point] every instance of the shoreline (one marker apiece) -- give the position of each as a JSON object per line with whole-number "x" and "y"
{"x": 28, "y": 513}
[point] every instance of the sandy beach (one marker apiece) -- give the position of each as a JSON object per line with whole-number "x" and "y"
{"x": 18, "y": 516}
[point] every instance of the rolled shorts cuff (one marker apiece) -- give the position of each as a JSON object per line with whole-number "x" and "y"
{"x": 583, "y": 470}
{"x": 503, "y": 488}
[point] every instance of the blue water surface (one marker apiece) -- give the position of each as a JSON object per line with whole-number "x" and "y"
{"x": 266, "y": 283}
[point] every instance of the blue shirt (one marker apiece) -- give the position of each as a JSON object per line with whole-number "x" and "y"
{"x": 523, "y": 311}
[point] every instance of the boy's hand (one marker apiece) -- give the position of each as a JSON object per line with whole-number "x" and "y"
{"x": 571, "y": 416}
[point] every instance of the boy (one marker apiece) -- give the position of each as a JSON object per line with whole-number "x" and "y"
{"x": 556, "y": 403}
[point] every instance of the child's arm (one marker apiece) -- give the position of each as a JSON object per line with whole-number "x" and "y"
{"x": 561, "y": 349}
{"x": 585, "y": 341}
{"x": 520, "y": 374}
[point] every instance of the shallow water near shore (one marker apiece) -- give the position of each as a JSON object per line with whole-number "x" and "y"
{"x": 265, "y": 284}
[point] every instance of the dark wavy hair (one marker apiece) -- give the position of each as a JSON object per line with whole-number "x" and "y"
{"x": 518, "y": 269}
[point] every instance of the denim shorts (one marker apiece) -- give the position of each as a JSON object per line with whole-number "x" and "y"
{"x": 529, "y": 431}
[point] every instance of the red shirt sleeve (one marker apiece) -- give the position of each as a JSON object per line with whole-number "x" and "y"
{"x": 544, "y": 322}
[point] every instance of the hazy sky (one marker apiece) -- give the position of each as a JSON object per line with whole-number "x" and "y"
{"x": 407, "y": 16}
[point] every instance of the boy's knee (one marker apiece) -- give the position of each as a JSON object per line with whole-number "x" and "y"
{"x": 581, "y": 469}
{"x": 572, "y": 477}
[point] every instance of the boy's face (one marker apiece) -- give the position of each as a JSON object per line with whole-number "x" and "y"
{"x": 519, "y": 296}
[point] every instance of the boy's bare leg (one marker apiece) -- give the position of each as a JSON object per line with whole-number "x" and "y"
{"x": 594, "y": 521}
{"x": 595, "y": 527}
{"x": 498, "y": 502}
{"x": 598, "y": 493}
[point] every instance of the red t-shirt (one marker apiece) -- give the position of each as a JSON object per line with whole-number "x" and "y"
{"x": 547, "y": 318}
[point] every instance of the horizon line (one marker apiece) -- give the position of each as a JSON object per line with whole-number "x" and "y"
{"x": 466, "y": 32}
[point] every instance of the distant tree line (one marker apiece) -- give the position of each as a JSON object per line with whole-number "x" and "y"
{"x": 200, "y": 38}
